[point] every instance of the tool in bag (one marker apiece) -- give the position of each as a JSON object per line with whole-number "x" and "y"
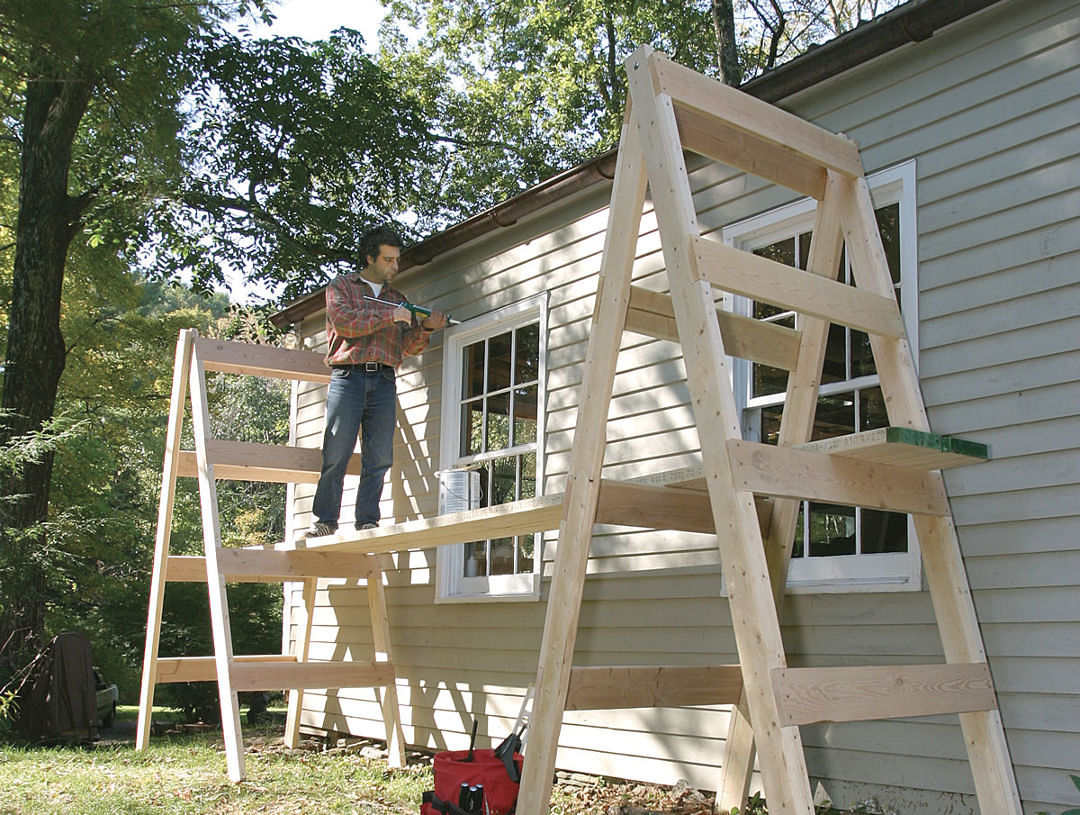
{"x": 479, "y": 782}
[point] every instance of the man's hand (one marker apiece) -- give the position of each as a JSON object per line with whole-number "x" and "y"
{"x": 435, "y": 321}
{"x": 402, "y": 315}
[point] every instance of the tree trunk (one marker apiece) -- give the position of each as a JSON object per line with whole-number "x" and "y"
{"x": 727, "y": 50}
{"x": 48, "y": 219}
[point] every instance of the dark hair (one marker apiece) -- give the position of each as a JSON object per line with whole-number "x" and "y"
{"x": 373, "y": 239}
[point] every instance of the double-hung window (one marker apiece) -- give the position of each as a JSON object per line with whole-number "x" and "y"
{"x": 836, "y": 548}
{"x": 492, "y": 428}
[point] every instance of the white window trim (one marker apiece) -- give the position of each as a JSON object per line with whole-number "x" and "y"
{"x": 450, "y": 585}
{"x": 858, "y": 573}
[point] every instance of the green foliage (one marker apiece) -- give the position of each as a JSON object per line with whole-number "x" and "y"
{"x": 293, "y": 150}
{"x": 519, "y": 90}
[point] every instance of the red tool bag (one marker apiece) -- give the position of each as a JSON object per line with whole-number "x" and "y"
{"x": 499, "y": 778}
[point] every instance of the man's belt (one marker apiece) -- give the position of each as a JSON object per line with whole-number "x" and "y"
{"x": 370, "y": 367}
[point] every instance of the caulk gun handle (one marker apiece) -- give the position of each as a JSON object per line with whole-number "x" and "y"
{"x": 422, "y": 313}
{"x": 418, "y": 311}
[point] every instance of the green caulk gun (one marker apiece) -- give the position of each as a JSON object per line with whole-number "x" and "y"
{"x": 420, "y": 312}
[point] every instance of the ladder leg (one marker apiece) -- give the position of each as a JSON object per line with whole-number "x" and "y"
{"x": 988, "y": 752}
{"x": 166, "y": 500}
{"x": 301, "y": 650}
{"x": 215, "y": 579}
{"x": 796, "y": 427}
{"x": 583, "y": 481}
{"x": 380, "y": 632}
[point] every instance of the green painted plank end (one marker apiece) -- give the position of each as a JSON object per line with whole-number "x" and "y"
{"x": 932, "y": 441}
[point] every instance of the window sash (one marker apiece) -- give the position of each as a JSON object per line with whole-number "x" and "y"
{"x": 452, "y": 584}
{"x": 860, "y": 571}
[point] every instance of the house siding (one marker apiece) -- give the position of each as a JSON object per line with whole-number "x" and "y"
{"x": 989, "y": 111}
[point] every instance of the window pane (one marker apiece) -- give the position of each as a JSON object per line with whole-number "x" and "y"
{"x": 526, "y": 553}
{"x": 527, "y": 488}
{"x": 763, "y": 311}
{"x": 768, "y": 381}
{"x": 781, "y": 251}
{"x": 862, "y": 358}
{"x": 832, "y": 530}
{"x": 503, "y": 480}
{"x": 527, "y": 359}
{"x": 835, "y": 416}
{"x": 888, "y": 218}
{"x": 499, "y": 359}
{"x": 804, "y": 249}
{"x": 502, "y": 556}
{"x": 472, "y": 427}
{"x": 883, "y": 531}
{"x": 498, "y": 421}
{"x": 476, "y": 559}
{"x": 835, "y": 367}
{"x": 473, "y": 370}
{"x": 872, "y": 409}
{"x": 770, "y": 423}
{"x": 525, "y": 415}
{"x": 797, "y": 549}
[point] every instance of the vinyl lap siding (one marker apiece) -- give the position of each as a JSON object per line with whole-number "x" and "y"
{"x": 989, "y": 111}
{"x": 991, "y": 119}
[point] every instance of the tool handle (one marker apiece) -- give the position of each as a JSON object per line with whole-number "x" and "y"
{"x": 418, "y": 311}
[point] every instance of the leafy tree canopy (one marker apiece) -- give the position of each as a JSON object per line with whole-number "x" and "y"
{"x": 518, "y": 90}
{"x": 293, "y": 149}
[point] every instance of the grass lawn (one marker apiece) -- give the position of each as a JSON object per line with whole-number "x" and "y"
{"x": 186, "y": 774}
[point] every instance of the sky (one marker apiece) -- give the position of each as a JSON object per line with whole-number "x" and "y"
{"x": 314, "y": 19}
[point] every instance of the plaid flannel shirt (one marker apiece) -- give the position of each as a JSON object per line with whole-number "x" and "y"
{"x": 358, "y": 330}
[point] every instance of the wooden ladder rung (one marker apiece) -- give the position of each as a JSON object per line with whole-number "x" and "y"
{"x": 277, "y": 672}
{"x": 649, "y": 507}
{"x": 788, "y": 472}
{"x": 271, "y": 566}
{"x": 653, "y": 314}
{"x": 273, "y": 676}
{"x": 903, "y": 447}
{"x": 611, "y": 688}
{"x": 867, "y": 693}
{"x": 261, "y": 360}
{"x": 204, "y": 669}
{"x": 760, "y": 278}
{"x": 248, "y": 461}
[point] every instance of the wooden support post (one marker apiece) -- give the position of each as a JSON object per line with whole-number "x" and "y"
{"x": 988, "y": 751}
{"x": 219, "y": 602}
{"x": 181, "y": 363}
{"x": 754, "y": 617}
{"x": 796, "y": 426}
{"x": 301, "y": 649}
{"x": 583, "y": 479}
{"x": 380, "y": 633}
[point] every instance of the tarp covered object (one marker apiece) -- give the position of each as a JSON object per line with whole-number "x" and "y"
{"x": 60, "y": 700}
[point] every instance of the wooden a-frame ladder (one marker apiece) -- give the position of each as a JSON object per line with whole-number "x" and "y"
{"x": 220, "y": 458}
{"x": 670, "y": 108}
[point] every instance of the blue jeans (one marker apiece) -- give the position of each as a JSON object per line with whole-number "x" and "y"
{"x": 364, "y": 402}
